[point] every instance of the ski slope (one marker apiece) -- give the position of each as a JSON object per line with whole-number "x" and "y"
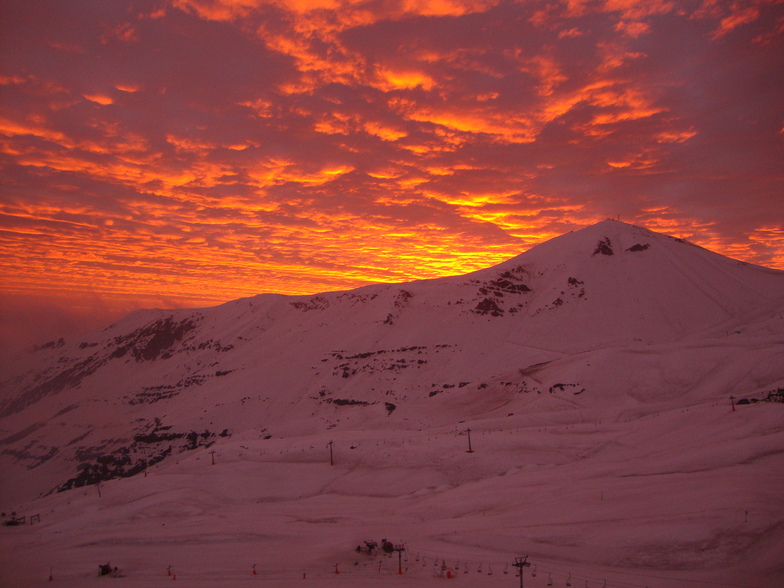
{"x": 681, "y": 497}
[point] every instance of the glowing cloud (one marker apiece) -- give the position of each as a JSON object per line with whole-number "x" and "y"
{"x": 201, "y": 150}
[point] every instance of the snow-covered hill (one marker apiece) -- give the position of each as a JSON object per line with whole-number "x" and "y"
{"x": 595, "y": 372}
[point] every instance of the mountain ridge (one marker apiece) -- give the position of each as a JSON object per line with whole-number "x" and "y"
{"x": 609, "y": 286}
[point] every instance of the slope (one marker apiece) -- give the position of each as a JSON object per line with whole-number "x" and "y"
{"x": 598, "y": 364}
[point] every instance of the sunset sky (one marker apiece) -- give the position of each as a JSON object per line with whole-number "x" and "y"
{"x": 189, "y": 152}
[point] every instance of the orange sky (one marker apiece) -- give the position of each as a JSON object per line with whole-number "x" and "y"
{"x": 188, "y": 152}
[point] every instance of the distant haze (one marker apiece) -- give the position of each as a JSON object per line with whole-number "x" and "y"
{"x": 26, "y": 321}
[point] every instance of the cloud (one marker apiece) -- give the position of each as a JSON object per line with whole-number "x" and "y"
{"x": 234, "y": 147}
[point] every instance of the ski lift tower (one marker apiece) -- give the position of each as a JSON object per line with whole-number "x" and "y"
{"x": 400, "y": 548}
{"x": 522, "y": 563}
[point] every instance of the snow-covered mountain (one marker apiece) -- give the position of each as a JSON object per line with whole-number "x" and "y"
{"x": 610, "y": 352}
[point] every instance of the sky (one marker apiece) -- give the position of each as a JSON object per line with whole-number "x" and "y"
{"x": 169, "y": 153}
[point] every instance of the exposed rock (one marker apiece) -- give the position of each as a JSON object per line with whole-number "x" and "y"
{"x": 604, "y": 247}
{"x": 638, "y": 247}
{"x": 488, "y": 306}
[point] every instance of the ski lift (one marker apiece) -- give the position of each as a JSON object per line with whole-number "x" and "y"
{"x": 569, "y": 579}
{"x": 107, "y": 570}
{"x": 490, "y": 571}
{"x": 506, "y": 569}
{"x": 457, "y": 565}
{"x": 479, "y": 569}
{"x": 549, "y": 579}
{"x": 533, "y": 573}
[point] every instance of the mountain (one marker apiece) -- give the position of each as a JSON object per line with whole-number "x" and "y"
{"x": 573, "y": 350}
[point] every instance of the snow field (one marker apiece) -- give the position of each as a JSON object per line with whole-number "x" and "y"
{"x": 655, "y": 501}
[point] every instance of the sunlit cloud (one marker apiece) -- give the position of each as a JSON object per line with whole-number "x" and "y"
{"x": 637, "y": 161}
{"x": 128, "y": 87}
{"x": 202, "y": 150}
{"x": 675, "y": 136}
{"x": 403, "y": 80}
{"x": 387, "y": 133}
{"x": 738, "y": 17}
{"x": 511, "y": 129}
{"x": 11, "y": 128}
{"x": 632, "y": 29}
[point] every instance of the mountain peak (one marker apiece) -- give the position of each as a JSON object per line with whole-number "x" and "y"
{"x": 608, "y": 237}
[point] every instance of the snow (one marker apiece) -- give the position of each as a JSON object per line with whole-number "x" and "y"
{"x": 605, "y": 445}
{"x": 602, "y": 501}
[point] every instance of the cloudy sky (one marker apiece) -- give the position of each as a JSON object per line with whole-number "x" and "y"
{"x": 189, "y": 152}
